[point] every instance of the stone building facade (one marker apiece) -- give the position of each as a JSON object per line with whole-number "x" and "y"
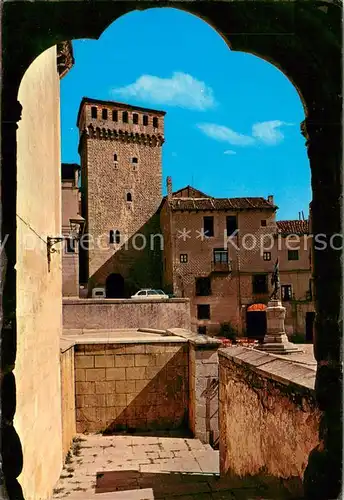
{"x": 120, "y": 149}
{"x": 220, "y": 253}
{"x": 70, "y": 215}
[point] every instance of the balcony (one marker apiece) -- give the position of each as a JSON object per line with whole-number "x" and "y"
{"x": 221, "y": 267}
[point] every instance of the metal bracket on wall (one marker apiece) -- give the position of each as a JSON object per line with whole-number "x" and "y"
{"x": 51, "y": 241}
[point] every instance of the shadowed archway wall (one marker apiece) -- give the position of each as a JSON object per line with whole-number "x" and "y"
{"x": 303, "y": 39}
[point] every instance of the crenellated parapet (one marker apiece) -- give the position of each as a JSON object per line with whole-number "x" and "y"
{"x": 92, "y": 132}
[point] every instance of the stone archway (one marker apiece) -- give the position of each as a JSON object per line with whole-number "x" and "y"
{"x": 303, "y": 39}
{"x": 114, "y": 286}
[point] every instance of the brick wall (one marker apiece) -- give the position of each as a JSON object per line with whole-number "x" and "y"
{"x": 127, "y": 386}
{"x": 121, "y": 313}
{"x": 269, "y": 418}
{"x": 229, "y": 290}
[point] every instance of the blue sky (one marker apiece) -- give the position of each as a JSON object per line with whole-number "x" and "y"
{"x": 232, "y": 126}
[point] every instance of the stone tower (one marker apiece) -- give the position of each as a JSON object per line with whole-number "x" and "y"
{"x": 121, "y": 175}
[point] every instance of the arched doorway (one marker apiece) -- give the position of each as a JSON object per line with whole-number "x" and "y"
{"x": 256, "y": 321}
{"x": 114, "y": 286}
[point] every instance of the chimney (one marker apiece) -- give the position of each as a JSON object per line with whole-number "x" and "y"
{"x": 271, "y": 199}
{"x": 169, "y": 187}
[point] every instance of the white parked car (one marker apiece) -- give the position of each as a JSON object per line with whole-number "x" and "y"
{"x": 149, "y": 293}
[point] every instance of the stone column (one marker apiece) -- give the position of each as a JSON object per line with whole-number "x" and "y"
{"x": 276, "y": 340}
{"x": 11, "y": 451}
{"x": 323, "y": 132}
{"x": 204, "y": 388}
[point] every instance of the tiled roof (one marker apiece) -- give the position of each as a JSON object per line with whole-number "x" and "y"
{"x": 293, "y": 226}
{"x": 211, "y": 204}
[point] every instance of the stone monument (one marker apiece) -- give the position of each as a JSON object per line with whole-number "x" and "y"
{"x": 276, "y": 340}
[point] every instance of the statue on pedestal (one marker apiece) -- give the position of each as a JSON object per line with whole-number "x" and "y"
{"x": 275, "y": 282}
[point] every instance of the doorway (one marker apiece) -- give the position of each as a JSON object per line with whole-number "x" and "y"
{"x": 115, "y": 286}
{"x": 256, "y": 324}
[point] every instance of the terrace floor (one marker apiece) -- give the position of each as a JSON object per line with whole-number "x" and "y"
{"x": 145, "y": 468}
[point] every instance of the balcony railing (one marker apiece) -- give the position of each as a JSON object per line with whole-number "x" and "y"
{"x": 221, "y": 267}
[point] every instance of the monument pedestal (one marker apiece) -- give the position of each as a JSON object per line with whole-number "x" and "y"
{"x": 276, "y": 340}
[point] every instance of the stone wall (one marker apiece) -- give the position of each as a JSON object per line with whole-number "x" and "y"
{"x": 39, "y": 289}
{"x": 131, "y": 386}
{"x": 204, "y": 389}
{"x": 269, "y": 419}
{"x": 67, "y": 397}
{"x": 125, "y": 313}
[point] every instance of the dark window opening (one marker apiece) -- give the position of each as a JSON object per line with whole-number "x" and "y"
{"x": 94, "y": 112}
{"x": 115, "y": 115}
{"x": 70, "y": 245}
{"x": 202, "y": 330}
{"x": 203, "y": 286}
{"x": 221, "y": 255}
{"x": 286, "y": 292}
{"x": 203, "y": 311}
{"x": 293, "y": 255}
{"x": 145, "y": 120}
{"x": 155, "y": 122}
{"x": 115, "y": 158}
{"x": 104, "y": 114}
{"x": 117, "y": 237}
{"x": 263, "y": 222}
{"x": 135, "y": 118}
{"x": 183, "y": 257}
{"x": 134, "y": 160}
{"x": 260, "y": 283}
{"x": 267, "y": 256}
{"x": 231, "y": 224}
{"x": 208, "y": 226}
{"x": 125, "y": 117}
{"x": 112, "y": 237}
{"x": 129, "y": 197}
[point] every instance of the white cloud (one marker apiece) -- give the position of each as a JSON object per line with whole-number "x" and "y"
{"x": 269, "y": 132}
{"x": 225, "y": 134}
{"x": 181, "y": 90}
{"x": 229, "y": 152}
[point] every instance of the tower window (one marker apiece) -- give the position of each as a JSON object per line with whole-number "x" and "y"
{"x": 263, "y": 223}
{"x": 115, "y": 237}
{"x": 104, "y": 114}
{"x": 129, "y": 197}
{"x": 115, "y": 158}
{"x": 155, "y": 122}
{"x": 115, "y": 115}
{"x": 94, "y": 112}
{"x": 135, "y": 118}
{"x": 134, "y": 160}
{"x": 125, "y": 116}
{"x": 145, "y": 120}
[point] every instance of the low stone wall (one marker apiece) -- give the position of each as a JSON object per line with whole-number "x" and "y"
{"x": 131, "y": 386}
{"x": 67, "y": 397}
{"x": 125, "y": 313}
{"x": 269, "y": 419}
